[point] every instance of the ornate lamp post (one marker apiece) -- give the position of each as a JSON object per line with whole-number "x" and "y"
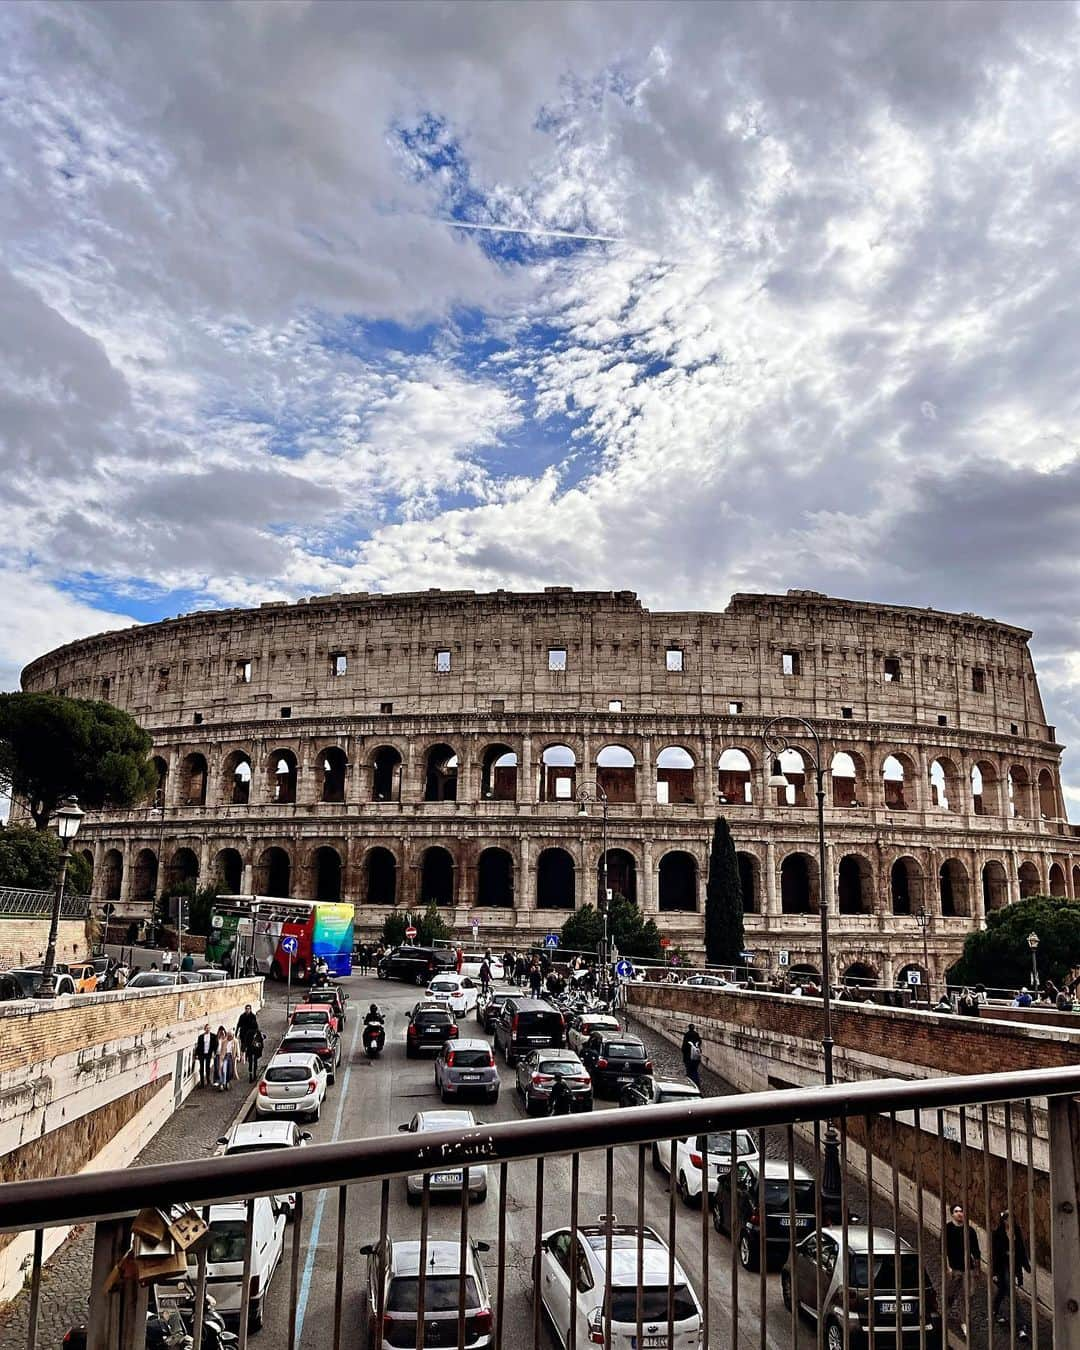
{"x": 584, "y": 795}
{"x": 68, "y": 817}
{"x": 1033, "y": 943}
{"x": 776, "y": 743}
{"x": 923, "y": 920}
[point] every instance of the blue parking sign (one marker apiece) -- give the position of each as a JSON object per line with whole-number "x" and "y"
{"x": 552, "y": 940}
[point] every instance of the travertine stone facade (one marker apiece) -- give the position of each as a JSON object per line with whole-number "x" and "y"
{"x": 401, "y": 748}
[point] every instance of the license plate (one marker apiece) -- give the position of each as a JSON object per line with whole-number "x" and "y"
{"x": 283, "y": 1106}
{"x": 470, "y": 1078}
{"x": 446, "y": 1179}
{"x": 888, "y": 1306}
{"x": 650, "y": 1342}
{"x": 628, "y": 1078}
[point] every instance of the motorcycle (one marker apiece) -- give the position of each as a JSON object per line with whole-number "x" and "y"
{"x": 374, "y": 1039}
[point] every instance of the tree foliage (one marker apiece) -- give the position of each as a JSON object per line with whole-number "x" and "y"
{"x": 725, "y": 940}
{"x": 999, "y": 954}
{"x": 431, "y": 927}
{"x": 30, "y": 859}
{"x": 53, "y": 747}
{"x": 583, "y": 931}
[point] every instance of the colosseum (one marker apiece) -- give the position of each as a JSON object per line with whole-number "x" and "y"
{"x": 458, "y": 748}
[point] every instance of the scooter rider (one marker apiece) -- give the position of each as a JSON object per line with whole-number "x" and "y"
{"x": 374, "y": 1030}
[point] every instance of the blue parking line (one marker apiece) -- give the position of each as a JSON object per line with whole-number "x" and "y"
{"x": 320, "y": 1204}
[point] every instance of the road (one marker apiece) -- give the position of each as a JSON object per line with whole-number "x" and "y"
{"x": 373, "y": 1098}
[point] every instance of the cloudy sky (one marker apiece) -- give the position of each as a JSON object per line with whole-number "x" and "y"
{"x": 780, "y": 295}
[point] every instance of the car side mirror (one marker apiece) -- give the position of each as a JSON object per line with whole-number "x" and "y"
{"x": 486, "y": 1246}
{"x": 305, "y": 1135}
{"x": 403, "y": 1129}
{"x": 224, "y": 1139}
{"x": 368, "y": 1249}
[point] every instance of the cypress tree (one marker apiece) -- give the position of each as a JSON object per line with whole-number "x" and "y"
{"x": 724, "y": 939}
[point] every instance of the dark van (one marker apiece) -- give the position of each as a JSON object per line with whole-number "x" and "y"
{"x": 416, "y": 965}
{"x": 528, "y": 1024}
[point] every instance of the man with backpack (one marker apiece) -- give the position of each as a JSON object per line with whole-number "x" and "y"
{"x": 691, "y": 1054}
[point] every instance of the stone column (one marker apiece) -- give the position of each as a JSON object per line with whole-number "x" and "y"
{"x": 579, "y": 878}
{"x": 772, "y": 889}
{"x": 648, "y": 897}
{"x": 247, "y": 883}
{"x": 1014, "y": 876}
{"x": 647, "y": 776}
{"x": 526, "y": 786}
{"x": 524, "y": 880}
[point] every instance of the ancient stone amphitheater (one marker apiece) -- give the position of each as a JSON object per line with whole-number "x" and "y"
{"x": 399, "y": 749}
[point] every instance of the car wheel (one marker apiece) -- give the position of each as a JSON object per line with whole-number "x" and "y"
{"x": 717, "y": 1214}
{"x": 411, "y": 1198}
{"x": 785, "y": 1289}
{"x": 493, "y": 1097}
{"x": 444, "y": 1096}
{"x": 317, "y": 1112}
{"x": 480, "y": 1196}
{"x": 275, "y": 971}
{"x": 255, "y": 1316}
{"x": 658, "y": 1166}
{"x": 684, "y": 1192}
{"x": 748, "y": 1251}
{"x": 410, "y": 1053}
{"x": 834, "y": 1336}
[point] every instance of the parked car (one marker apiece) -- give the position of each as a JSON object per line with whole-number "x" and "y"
{"x": 210, "y": 975}
{"x": 465, "y": 1066}
{"x": 613, "y": 1060}
{"x": 689, "y": 1156}
{"x": 474, "y": 960}
{"x": 162, "y": 979}
{"x": 264, "y": 1136}
{"x": 648, "y": 1091}
{"x": 750, "y": 1175}
{"x": 330, "y": 994}
{"x": 417, "y": 965}
{"x": 488, "y": 1009}
{"x": 314, "y": 1015}
{"x": 429, "y": 1025}
{"x": 84, "y": 974}
{"x": 30, "y": 981}
{"x": 452, "y": 1180}
{"x": 582, "y": 1025}
{"x": 399, "y": 1295}
{"x": 536, "y": 1077}
{"x": 571, "y": 1285}
{"x": 458, "y": 993}
{"x": 708, "y": 982}
{"x": 292, "y": 1084}
{"x": 528, "y": 1024}
{"x": 896, "y": 1269}
{"x": 10, "y": 987}
{"x": 319, "y": 1041}
{"x": 224, "y": 1246}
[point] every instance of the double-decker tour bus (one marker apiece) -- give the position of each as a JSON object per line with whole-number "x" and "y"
{"x": 247, "y": 929}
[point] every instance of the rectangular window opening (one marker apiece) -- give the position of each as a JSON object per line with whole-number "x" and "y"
{"x": 942, "y": 720}
{"x": 386, "y": 707}
{"x": 978, "y": 681}
{"x": 847, "y": 713}
{"x": 734, "y": 708}
{"x": 163, "y": 678}
{"x": 790, "y": 663}
{"x": 892, "y": 670}
{"x": 673, "y": 659}
{"x": 614, "y": 705}
{"x": 198, "y": 719}
{"x": 442, "y": 661}
{"x": 243, "y": 672}
{"x": 498, "y": 704}
{"x": 339, "y": 664}
{"x": 556, "y": 658}
{"x": 286, "y": 712}
{"x": 1014, "y": 730}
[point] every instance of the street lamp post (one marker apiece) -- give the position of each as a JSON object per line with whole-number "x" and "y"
{"x": 68, "y": 817}
{"x": 584, "y": 796}
{"x": 776, "y": 743}
{"x": 1033, "y": 943}
{"x": 922, "y": 918}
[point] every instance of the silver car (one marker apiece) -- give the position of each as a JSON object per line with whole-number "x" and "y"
{"x": 265, "y": 1136}
{"x": 400, "y": 1294}
{"x": 465, "y": 1066}
{"x": 449, "y": 1182}
{"x": 292, "y": 1085}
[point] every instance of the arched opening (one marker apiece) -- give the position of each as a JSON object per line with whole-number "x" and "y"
{"x": 440, "y": 774}
{"x": 381, "y": 875}
{"x": 919, "y": 987}
{"x": 182, "y": 871}
{"x": 1057, "y": 880}
{"x": 985, "y": 795}
{"x": 953, "y": 889}
{"x": 906, "y": 886}
{"x": 558, "y": 774}
{"x": 802, "y": 971}
{"x": 792, "y": 765}
{"x": 846, "y": 774}
{"x": 229, "y": 871}
{"x": 283, "y": 778}
{"x": 193, "y": 781}
{"x": 995, "y": 886}
{"x": 854, "y": 885}
{"x": 237, "y": 779}
{"x": 860, "y": 975}
{"x": 274, "y": 873}
{"x": 161, "y": 768}
{"x": 749, "y": 881}
{"x": 326, "y": 865}
{"x": 896, "y": 774}
{"x": 333, "y": 766}
{"x": 616, "y": 773}
{"x": 498, "y": 778}
{"x": 621, "y": 873}
{"x": 1030, "y": 881}
{"x": 798, "y": 884}
{"x": 437, "y": 877}
{"x": 1019, "y": 785}
{"x": 1047, "y": 799}
{"x": 734, "y": 781}
{"x": 386, "y": 775}
{"x": 112, "y": 875}
{"x": 88, "y": 858}
{"x": 555, "y": 879}
{"x": 495, "y": 878}
{"x": 678, "y": 883}
{"x": 144, "y": 880}
{"x": 675, "y": 776}
{"x": 944, "y": 785}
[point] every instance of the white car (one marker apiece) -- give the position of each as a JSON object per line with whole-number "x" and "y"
{"x": 450, "y": 1181}
{"x": 225, "y": 1256}
{"x": 292, "y": 1085}
{"x": 264, "y": 1136}
{"x": 459, "y": 993}
{"x": 582, "y": 1025}
{"x": 688, "y": 1160}
{"x": 551, "y": 1280}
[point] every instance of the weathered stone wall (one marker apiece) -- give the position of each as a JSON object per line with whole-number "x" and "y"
{"x": 23, "y": 941}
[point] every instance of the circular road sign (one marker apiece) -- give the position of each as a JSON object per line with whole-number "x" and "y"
{"x": 289, "y": 945}
{"x": 624, "y": 969}
{"x": 410, "y": 932}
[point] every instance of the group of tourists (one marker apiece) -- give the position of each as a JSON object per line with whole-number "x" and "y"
{"x": 1009, "y": 1262}
{"x": 219, "y": 1054}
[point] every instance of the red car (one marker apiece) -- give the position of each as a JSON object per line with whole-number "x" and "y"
{"x": 315, "y": 1015}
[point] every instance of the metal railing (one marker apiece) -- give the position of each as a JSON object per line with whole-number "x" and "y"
{"x": 15, "y": 903}
{"x": 908, "y": 1151}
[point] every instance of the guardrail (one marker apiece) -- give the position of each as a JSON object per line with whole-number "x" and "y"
{"x": 935, "y": 1142}
{"x": 15, "y": 903}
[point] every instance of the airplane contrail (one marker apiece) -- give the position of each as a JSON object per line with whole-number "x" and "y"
{"x": 532, "y": 229}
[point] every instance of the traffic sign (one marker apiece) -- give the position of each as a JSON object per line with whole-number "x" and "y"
{"x": 475, "y": 928}
{"x": 914, "y": 977}
{"x": 552, "y": 940}
{"x": 290, "y": 946}
{"x": 784, "y": 959}
{"x": 665, "y": 942}
{"x": 624, "y": 969}
{"x": 245, "y": 926}
{"x": 410, "y": 932}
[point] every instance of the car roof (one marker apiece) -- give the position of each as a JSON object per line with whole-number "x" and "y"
{"x": 467, "y": 1043}
{"x": 858, "y": 1238}
{"x": 304, "y": 1033}
{"x": 624, "y": 1254}
{"x": 776, "y": 1169}
{"x": 609, "y": 1018}
{"x": 440, "y": 1258}
{"x": 445, "y": 1120}
{"x": 289, "y": 1060}
{"x": 623, "y": 1036}
{"x": 534, "y": 1005}
{"x": 308, "y": 1007}
{"x": 429, "y": 1005}
{"x": 551, "y": 1052}
{"x": 270, "y": 1132}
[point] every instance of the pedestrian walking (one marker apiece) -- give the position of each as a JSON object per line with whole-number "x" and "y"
{"x": 459, "y": 960}
{"x": 206, "y": 1054}
{"x": 1000, "y": 1240}
{"x": 536, "y": 979}
{"x": 485, "y": 976}
{"x": 247, "y": 1029}
{"x": 226, "y": 1059}
{"x": 188, "y": 962}
{"x": 521, "y": 970}
{"x": 691, "y": 1054}
{"x": 962, "y": 1255}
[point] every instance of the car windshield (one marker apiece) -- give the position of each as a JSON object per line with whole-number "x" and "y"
{"x": 471, "y": 1059}
{"x": 256, "y": 1148}
{"x": 443, "y": 986}
{"x": 676, "y": 1095}
{"x": 885, "y": 1271}
{"x": 720, "y": 1143}
{"x": 567, "y": 1066}
{"x": 152, "y": 979}
{"x": 287, "y": 1073}
{"x": 627, "y": 1049}
{"x": 302, "y": 1045}
{"x": 440, "y": 1294}
{"x": 431, "y": 1019}
{"x": 654, "y": 1304}
{"x": 776, "y": 1196}
{"x": 314, "y": 1018}
{"x": 226, "y": 1241}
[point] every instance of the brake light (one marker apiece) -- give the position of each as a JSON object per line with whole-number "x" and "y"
{"x": 695, "y": 1159}
{"x": 312, "y": 1085}
{"x": 754, "y": 1219}
{"x": 450, "y": 1059}
{"x": 453, "y": 1029}
{"x": 514, "y": 1024}
{"x": 482, "y": 1322}
{"x": 601, "y": 1062}
{"x": 412, "y": 1029}
{"x": 262, "y": 1088}
{"x": 562, "y": 1020}
{"x": 648, "y": 1066}
{"x": 596, "y": 1327}
{"x": 491, "y": 1059}
{"x": 539, "y": 1078}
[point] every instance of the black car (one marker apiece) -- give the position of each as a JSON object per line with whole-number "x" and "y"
{"x": 777, "y": 1186}
{"x": 332, "y": 994}
{"x": 490, "y": 1009}
{"x": 10, "y": 987}
{"x": 649, "y": 1091}
{"x": 528, "y": 1024}
{"x": 613, "y": 1061}
{"x": 416, "y": 965}
{"x": 321, "y": 1041}
{"x": 429, "y": 1025}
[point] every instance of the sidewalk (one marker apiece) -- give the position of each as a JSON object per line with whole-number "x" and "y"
{"x": 191, "y": 1132}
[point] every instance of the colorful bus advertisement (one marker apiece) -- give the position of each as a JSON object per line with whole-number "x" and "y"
{"x": 246, "y": 933}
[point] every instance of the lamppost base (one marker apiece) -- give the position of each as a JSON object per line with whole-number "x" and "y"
{"x": 831, "y": 1181}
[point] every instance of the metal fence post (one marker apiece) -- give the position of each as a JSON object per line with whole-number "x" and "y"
{"x": 1064, "y": 1114}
